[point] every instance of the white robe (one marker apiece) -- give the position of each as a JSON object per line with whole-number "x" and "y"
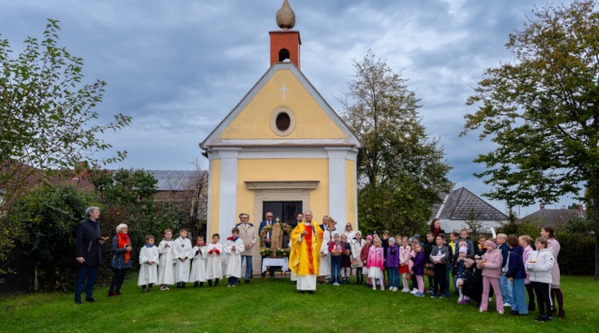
{"x": 166, "y": 271}
{"x": 293, "y": 277}
{"x": 214, "y": 268}
{"x": 325, "y": 268}
{"x": 198, "y": 266}
{"x": 234, "y": 257}
{"x": 181, "y": 250}
{"x": 148, "y": 273}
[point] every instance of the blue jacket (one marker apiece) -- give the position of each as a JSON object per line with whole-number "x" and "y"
{"x": 505, "y": 250}
{"x": 118, "y": 255}
{"x": 86, "y": 243}
{"x": 516, "y": 267}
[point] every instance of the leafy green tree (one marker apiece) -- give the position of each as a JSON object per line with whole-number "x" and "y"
{"x": 541, "y": 110}
{"x": 48, "y": 119}
{"x": 400, "y": 169}
{"x": 50, "y": 215}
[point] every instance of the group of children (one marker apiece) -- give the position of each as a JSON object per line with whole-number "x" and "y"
{"x": 473, "y": 269}
{"x": 176, "y": 262}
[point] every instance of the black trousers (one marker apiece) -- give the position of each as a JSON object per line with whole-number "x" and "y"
{"x": 117, "y": 280}
{"x": 440, "y": 278}
{"x": 542, "y": 292}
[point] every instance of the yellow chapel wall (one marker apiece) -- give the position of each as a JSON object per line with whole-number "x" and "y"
{"x": 284, "y": 170}
{"x": 214, "y": 193}
{"x": 311, "y": 121}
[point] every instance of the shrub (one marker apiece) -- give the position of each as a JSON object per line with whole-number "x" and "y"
{"x": 576, "y": 254}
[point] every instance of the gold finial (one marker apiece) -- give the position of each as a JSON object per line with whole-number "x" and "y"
{"x": 286, "y": 16}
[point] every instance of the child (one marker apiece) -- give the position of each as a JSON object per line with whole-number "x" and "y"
{"x": 504, "y": 283}
{"x": 356, "y": 249}
{"x": 526, "y": 241}
{"x": 480, "y": 249}
{"x": 234, "y": 247}
{"x": 148, "y": 265}
{"x": 453, "y": 255}
{"x": 470, "y": 246}
{"x": 517, "y": 273}
{"x": 166, "y": 271}
{"x": 336, "y": 249}
{"x": 214, "y": 268}
{"x": 405, "y": 254}
{"x": 181, "y": 250}
{"x": 345, "y": 260}
{"x": 392, "y": 263}
{"x": 439, "y": 256}
{"x": 324, "y": 269}
{"x": 491, "y": 270}
{"x": 539, "y": 266}
{"x": 459, "y": 272}
{"x": 198, "y": 266}
{"x": 376, "y": 262}
{"x": 472, "y": 286}
{"x": 364, "y": 258}
{"x": 418, "y": 268}
{"x": 428, "y": 265}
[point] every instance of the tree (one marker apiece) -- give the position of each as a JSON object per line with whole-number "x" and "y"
{"x": 400, "y": 169}
{"x": 48, "y": 119}
{"x": 542, "y": 111}
{"x": 474, "y": 224}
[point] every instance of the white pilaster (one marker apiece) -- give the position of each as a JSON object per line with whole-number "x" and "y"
{"x": 227, "y": 206}
{"x": 337, "y": 186}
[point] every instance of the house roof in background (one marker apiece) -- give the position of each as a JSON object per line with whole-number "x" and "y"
{"x": 459, "y": 203}
{"x": 552, "y": 217}
{"x": 173, "y": 180}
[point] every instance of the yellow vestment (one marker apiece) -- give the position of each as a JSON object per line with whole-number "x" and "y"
{"x": 304, "y": 258}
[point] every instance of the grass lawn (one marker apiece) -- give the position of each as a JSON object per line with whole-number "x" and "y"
{"x": 274, "y": 305}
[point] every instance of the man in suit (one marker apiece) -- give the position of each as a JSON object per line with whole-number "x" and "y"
{"x": 88, "y": 246}
{"x": 267, "y": 222}
{"x": 246, "y": 233}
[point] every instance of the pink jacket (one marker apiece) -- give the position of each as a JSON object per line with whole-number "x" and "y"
{"x": 527, "y": 251}
{"x": 555, "y": 247}
{"x": 405, "y": 254}
{"x": 492, "y": 267}
{"x": 376, "y": 257}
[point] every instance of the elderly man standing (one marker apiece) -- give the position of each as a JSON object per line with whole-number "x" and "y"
{"x": 246, "y": 233}
{"x": 304, "y": 259}
{"x": 88, "y": 246}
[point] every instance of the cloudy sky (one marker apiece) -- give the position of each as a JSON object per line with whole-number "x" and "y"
{"x": 178, "y": 67}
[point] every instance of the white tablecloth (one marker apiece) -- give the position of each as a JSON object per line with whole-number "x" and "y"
{"x": 271, "y": 262}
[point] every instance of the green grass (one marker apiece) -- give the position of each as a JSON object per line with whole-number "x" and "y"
{"x": 274, "y": 305}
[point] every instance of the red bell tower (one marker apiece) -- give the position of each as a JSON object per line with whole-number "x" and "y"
{"x": 285, "y": 44}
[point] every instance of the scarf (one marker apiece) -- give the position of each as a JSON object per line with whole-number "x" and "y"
{"x": 124, "y": 240}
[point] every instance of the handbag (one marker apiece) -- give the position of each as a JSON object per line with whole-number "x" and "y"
{"x": 428, "y": 270}
{"x": 114, "y": 263}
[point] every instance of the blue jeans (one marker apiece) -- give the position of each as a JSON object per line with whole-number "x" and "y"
{"x": 519, "y": 297}
{"x": 248, "y": 266}
{"x": 393, "y": 277}
{"x": 335, "y": 268}
{"x": 92, "y": 274}
{"x": 506, "y": 289}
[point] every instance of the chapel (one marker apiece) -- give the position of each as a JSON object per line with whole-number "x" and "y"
{"x": 282, "y": 148}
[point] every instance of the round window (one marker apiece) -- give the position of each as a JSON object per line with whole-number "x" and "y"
{"x": 282, "y": 121}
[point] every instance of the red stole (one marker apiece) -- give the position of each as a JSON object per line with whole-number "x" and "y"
{"x": 308, "y": 240}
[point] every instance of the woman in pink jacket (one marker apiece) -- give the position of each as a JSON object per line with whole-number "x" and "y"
{"x": 491, "y": 266}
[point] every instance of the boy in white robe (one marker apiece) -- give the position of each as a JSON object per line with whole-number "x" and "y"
{"x": 166, "y": 267}
{"x": 198, "y": 266}
{"x": 214, "y": 268}
{"x": 233, "y": 248}
{"x": 148, "y": 265}
{"x": 181, "y": 250}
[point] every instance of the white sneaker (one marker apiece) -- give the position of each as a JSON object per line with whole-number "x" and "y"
{"x": 507, "y": 305}
{"x": 414, "y": 291}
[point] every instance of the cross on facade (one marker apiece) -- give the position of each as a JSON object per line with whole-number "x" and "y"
{"x": 283, "y": 90}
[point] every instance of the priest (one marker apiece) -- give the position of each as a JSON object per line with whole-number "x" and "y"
{"x": 304, "y": 259}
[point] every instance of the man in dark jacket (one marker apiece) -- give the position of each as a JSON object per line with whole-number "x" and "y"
{"x": 88, "y": 245}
